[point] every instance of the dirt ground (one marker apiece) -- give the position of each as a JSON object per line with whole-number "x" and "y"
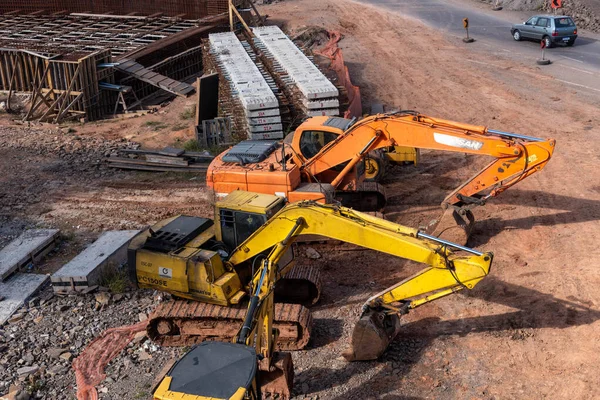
{"x": 529, "y": 330}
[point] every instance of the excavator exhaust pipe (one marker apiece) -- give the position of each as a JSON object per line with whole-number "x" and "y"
{"x": 372, "y": 335}
{"x": 277, "y": 380}
{"x": 453, "y": 226}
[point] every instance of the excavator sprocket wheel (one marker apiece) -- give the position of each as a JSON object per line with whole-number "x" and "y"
{"x": 278, "y": 380}
{"x": 372, "y": 335}
{"x": 453, "y": 226}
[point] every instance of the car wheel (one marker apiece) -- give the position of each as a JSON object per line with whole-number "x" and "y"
{"x": 571, "y": 42}
{"x": 547, "y": 41}
{"x": 517, "y": 35}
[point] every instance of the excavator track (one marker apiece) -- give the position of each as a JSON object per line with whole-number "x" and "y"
{"x": 185, "y": 323}
{"x": 301, "y": 285}
{"x": 369, "y": 196}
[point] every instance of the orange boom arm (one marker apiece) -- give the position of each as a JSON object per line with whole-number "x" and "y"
{"x": 515, "y": 156}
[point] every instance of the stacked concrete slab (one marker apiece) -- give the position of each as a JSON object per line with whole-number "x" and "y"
{"x": 87, "y": 268}
{"x": 248, "y": 86}
{"x": 17, "y": 287}
{"x": 313, "y": 93}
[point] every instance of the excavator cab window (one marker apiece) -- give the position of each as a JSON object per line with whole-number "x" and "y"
{"x": 237, "y": 226}
{"x": 311, "y": 142}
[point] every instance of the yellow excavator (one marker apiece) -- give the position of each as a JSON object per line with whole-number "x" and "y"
{"x": 250, "y": 365}
{"x": 217, "y": 266}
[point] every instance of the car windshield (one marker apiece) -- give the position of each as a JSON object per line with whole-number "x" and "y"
{"x": 563, "y": 22}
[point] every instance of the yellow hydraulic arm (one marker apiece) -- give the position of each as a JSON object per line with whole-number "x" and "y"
{"x": 446, "y": 273}
{"x": 373, "y": 233}
{"x": 516, "y": 156}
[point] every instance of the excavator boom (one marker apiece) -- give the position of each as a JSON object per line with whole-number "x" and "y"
{"x": 446, "y": 273}
{"x": 515, "y": 156}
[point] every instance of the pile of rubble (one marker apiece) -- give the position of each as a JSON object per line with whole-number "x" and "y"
{"x": 40, "y": 341}
{"x": 52, "y": 150}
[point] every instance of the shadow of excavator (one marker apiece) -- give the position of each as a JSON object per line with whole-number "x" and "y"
{"x": 535, "y": 310}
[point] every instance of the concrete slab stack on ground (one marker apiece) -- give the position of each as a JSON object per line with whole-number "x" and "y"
{"x": 16, "y": 291}
{"x": 29, "y": 246}
{"x": 315, "y": 94}
{"x": 86, "y": 269}
{"x": 248, "y": 86}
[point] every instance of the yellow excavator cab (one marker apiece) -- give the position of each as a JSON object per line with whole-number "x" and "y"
{"x": 212, "y": 371}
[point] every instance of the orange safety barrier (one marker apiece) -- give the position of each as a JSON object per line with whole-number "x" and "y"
{"x": 89, "y": 366}
{"x": 334, "y": 53}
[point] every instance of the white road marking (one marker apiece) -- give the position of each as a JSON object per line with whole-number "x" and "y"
{"x": 580, "y": 70}
{"x": 531, "y": 73}
{"x": 573, "y": 59}
{"x": 577, "y": 84}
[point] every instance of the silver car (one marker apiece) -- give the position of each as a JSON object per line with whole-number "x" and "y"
{"x": 551, "y": 29}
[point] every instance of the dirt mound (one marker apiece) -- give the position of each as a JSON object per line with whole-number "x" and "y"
{"x": 585, "y": 12}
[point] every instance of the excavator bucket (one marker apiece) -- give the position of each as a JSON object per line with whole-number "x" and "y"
{"x": 372, "y": 335}
{"x": 277, "y": 379}
{"x": 453, "y": 226}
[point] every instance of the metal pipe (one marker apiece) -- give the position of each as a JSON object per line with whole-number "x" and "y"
{"x": 516, "y": 135}
{"x": 447, "y": 243}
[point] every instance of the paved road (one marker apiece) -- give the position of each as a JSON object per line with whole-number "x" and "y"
{"x": 578, "y": 66}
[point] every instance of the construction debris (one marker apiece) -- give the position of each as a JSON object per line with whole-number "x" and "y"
{"x": 87, "y": 268}
{"x": 166, "y": 160}
{"x": 30, "y": 246}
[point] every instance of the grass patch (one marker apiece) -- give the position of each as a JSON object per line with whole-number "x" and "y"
{"x": 192, "y": 145}
{"x": 155, "y": 125}
{"x": 141, "y": 395}
{"x": 115, "y": 279}
{"x": 178, "y": 127}
{"x": 67, "y": 236}
{"x": 188, "y": 113}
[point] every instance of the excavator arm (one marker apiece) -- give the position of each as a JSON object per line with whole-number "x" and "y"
{"x": 515, "y": 156}
{"x": 446, "y": 273}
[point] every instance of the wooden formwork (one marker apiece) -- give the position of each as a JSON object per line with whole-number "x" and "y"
{"x": 179, "y": 8}
{"x": 59, "y": 89}
{"x": 181, "y": 67}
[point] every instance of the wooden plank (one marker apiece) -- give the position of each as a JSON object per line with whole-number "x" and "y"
{"x": 156, "y": 168}
{"x": 171, "y": 151}
{"x": 166, "y": 160}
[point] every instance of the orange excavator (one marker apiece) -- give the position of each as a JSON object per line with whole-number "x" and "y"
{"x": 324, "y": 160}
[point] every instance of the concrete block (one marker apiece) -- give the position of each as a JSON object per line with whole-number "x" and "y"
{"x": 329, "y": 112}
{"x": 86, "y": 268}
{"x": 264, "y": 120}
{"x": 16, "y": 290}
{"x": 266, "y": 135}
{"x": 31, "y": 245}
{"x": 266, "y": 128}
{"x": 318, "y": 104}
{"x": 303, "y": 72}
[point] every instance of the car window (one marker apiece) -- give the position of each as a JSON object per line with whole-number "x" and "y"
{"x": 563, "y": 22}
{"x": 531, "y": 21}
{"x": 542, "y": 22}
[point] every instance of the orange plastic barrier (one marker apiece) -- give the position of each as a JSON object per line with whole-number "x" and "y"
{"x": 89, "y": 366}
{"x": 334, "y": 53}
